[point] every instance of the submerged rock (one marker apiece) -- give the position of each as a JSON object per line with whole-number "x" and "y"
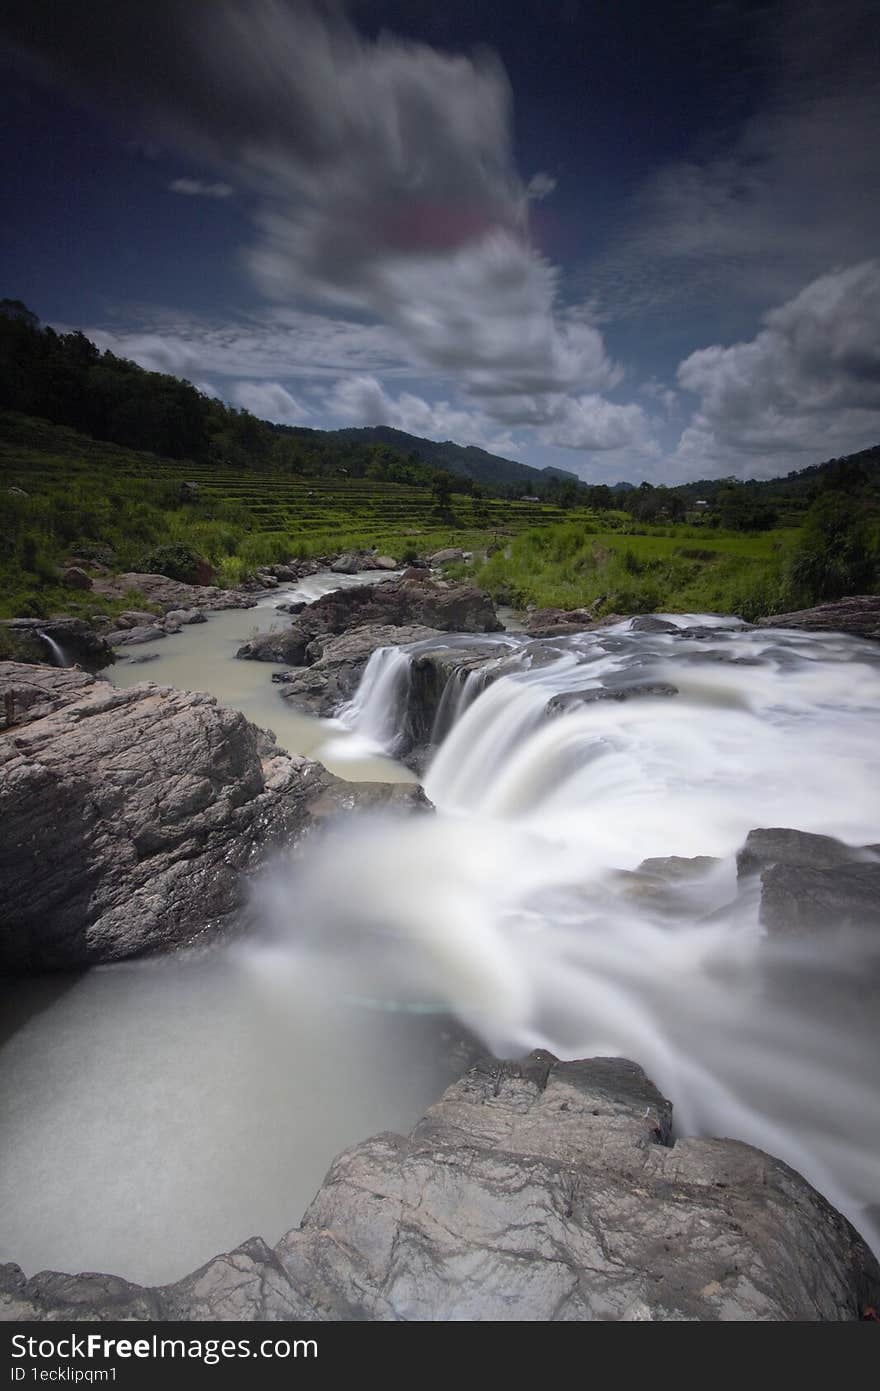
{"x": 567, "y": 701}
{"x": 131, "y": 815}
{"x": 538, "y": 1191}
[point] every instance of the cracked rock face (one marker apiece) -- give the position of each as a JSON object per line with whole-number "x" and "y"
{"x": 130, "y": 816}
{"x": 532, "y": 1191}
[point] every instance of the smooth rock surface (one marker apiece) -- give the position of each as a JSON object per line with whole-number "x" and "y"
{"x": 131, "y": 815}
{"x": 858, "y": 615}
{"x": 540, "y": 1191}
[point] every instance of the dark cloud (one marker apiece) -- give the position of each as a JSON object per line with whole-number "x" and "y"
{"x": 382, "y": 174}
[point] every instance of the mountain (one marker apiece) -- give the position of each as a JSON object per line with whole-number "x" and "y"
{"x": 467, "y": 461}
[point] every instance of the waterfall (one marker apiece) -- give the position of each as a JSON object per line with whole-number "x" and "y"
{"x": 379, "y": 701}
{"x": 57, "y": 651}
{"x": 522, "y": 908}
{"x": 459, "y": 693}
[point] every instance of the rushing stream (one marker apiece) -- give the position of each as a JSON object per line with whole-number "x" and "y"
{"x": 162, "y": 1111}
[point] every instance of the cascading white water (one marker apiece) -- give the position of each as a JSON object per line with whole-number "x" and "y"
{"x": 374, "y": 711}
{"x": 57, "y": 651}
{"x": 520, "y": 906}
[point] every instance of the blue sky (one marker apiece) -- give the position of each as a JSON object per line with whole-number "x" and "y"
{"x": 632, "y": 240}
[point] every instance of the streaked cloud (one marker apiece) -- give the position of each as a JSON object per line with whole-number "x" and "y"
{"x": 201, "y": 188}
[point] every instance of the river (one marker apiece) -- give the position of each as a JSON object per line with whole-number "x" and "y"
{"x": 162, "y": 1111}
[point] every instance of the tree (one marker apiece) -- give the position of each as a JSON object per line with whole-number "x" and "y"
{"x": 835, "y": 554}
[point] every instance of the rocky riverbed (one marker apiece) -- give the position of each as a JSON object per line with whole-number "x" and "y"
{"x": 585, "y": 775}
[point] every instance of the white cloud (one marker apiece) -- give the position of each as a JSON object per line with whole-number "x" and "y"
{"x": 590, "y": 422}
{"x": 806, "y": 387}
{"x": 269, "y": 401}
{"x": 199, "y": 188}
{"x": 363, "y": 400}
{"x": 540, "y": 186}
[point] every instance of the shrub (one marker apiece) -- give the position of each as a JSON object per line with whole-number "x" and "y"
{"x": 176, "y": 562}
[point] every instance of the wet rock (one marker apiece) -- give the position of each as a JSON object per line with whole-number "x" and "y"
{"x": 539, "y": 1191}
{"x": 679, "y": 868}
{"x": 804, "y": 902}
{"x": 130, "y": 817}
{"x": 286, "y": 647}
{"x": 185, "y": 616}
{"x": 447, "y": 556}
{"x": 567, "y": 701}
{"x": 814, "y": 886}
{"x": 347, "y": 564}
{"x": 384, "y": 562}
{"x": 649, "y": 623}
{"x": 132, "y": 637}
{"x": 858, "y": 615}
{"x": 135, "y": 618}
{"x": 779, "y": 845}
{"x": 554, "y": 623}
{"x": 79, "y": 642}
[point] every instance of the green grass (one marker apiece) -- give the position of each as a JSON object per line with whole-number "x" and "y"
{"x": 681, "y": 569}
{"x": 122, "y": 504}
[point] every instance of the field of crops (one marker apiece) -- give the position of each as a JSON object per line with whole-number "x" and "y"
{"x": 35, "y": 455}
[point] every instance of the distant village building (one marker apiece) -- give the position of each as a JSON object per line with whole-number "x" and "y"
{"x": 531, "y": 499}
{"x": 701, "y": 502}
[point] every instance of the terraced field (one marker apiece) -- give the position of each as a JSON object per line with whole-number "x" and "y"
{"x": 332, "y": 510}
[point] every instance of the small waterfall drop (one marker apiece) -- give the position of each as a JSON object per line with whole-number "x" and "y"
{"x": 61, "y": 660}
{"x": 375, "y": 710}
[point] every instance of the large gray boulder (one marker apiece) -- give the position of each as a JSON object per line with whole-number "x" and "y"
{"x": 130, "y": 817}
{"x": 859, "y": 615}
{"x": 539, "y": 1191}
{"x": 171, "y": 594}
{"x": 454, "y": 608}
{"x": 813, "y": 885}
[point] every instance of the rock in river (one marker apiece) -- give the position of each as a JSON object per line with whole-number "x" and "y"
{"x": 531, "y": 1191}
{"x": 130, "y": 815}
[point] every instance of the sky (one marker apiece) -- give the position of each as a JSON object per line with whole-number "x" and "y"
{"x": 636, "y": 240}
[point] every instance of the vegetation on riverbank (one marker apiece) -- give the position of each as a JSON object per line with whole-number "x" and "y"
{"x": 169, "y": 480}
